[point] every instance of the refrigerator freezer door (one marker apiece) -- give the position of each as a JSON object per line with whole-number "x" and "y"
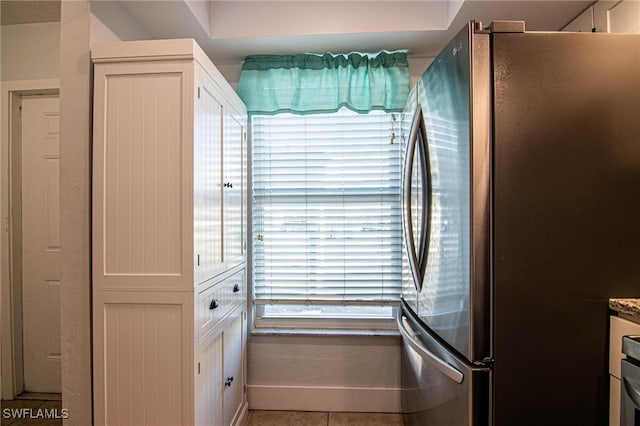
{"x": 454, "y": 94}
{"x": 438, "y": 389}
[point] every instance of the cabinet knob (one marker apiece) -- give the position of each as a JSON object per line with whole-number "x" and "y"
{"x": 228, "y": 381}
{"x": 214, "y": 304}
{"x": 236, "y": 288}
{"x": 228, "y": 185}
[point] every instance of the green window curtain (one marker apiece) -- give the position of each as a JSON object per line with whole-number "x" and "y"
{"x": 310, "y": 84}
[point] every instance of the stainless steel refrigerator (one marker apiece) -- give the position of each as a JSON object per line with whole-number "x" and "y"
{"x": 522, "y": 217}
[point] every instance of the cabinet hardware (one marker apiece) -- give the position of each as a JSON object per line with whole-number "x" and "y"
{"x": 214, "y": 304}
{"x": 198, "y": 260}
{"x": 198, "y": 368}
{"x": 236, "y": 288}
{"x": 198, "y": 92}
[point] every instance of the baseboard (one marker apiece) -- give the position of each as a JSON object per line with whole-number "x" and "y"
{"x": 307, "y": 398}
{"x": 242, "y": 417}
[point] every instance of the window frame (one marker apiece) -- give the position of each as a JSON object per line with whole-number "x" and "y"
{"x": 294, "y": 322}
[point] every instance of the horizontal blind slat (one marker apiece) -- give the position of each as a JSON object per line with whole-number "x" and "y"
{"x": 326, "y": 209}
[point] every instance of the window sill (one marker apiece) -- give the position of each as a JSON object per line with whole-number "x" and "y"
{"x": 325, "y": 332}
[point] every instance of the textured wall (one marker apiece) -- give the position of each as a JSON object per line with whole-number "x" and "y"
{"x": 30, "y": 51}
{"x": 75, "y": 213}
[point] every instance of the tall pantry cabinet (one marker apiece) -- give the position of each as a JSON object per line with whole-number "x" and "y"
{"x": 169, "y": 238}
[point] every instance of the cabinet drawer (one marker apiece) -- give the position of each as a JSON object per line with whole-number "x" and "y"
{"x": 214, "y": 303}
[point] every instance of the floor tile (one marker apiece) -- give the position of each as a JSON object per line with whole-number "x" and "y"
{"x": 365, "y": 419}
{"x": 287, "y": 418}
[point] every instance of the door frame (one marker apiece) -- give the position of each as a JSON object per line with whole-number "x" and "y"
{"x": 11, "y": 358}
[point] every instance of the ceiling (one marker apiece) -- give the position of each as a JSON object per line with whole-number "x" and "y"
{"x": 229, "y": 30}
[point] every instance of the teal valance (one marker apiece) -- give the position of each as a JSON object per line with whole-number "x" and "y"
{"x": 308, "y": 84}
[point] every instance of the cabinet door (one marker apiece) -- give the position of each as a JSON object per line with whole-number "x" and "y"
{"x": 209, "y": 379}
{"x": 207, "y": 214}
{"x": 233, "y": 366}
{"x": 233, "y": 184}
{"x": 140, "y": 351}
{"x": 141, "y": 219}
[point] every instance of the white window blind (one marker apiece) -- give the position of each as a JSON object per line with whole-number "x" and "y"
{"x": 326, "y": 209}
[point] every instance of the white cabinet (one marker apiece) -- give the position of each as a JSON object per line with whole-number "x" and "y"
{"x": 168, "y": 236}
{"x": 619, "y": 327}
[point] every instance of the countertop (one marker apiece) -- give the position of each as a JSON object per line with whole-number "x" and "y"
{"x": 629, "y": 308}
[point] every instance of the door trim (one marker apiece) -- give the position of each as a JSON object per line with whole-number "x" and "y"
{"x": 10, "y": 253}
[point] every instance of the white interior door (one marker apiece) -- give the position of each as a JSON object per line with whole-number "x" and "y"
{"x": 41, "y": 243}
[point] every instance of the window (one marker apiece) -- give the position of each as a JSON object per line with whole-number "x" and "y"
{"x": 326, "y": 216}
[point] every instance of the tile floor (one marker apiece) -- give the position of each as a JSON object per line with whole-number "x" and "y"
{"x": 256, "y": 417}
{"x": 313, "y": 418}
{"x": 31, "y": 409}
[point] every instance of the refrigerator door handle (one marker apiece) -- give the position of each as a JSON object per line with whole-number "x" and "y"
{"x": 425, "y": 175}
{"x": 406, "y": 205}
{"x": 442, "y": 366}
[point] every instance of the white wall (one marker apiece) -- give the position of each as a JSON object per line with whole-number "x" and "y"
{"x": 324, "y": 373}
{"x": 230, "y": 19}
{"x": 111, "y": 21}
{"x": 417, "y": 66}
{"x": 75, "y": 211}
{"x": 30, "y": 51}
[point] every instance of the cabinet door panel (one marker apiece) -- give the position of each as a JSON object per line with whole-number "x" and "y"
{"x": 233, "y": 371}
{"x": 141, "y": 204}
{"x": 140, "y": 348}
{"x": 234, "y": 130}
{"x": 209, "y": 381}
{"x": 207, "y": 185}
